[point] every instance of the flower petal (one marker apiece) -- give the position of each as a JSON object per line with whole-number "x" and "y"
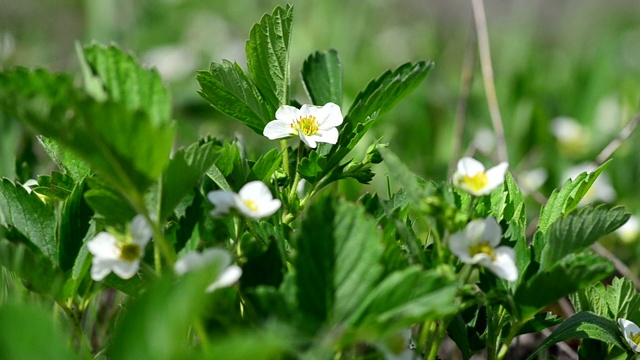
{"x": 495, "y": 176}
{"x": 329, "y": 136}
{"x": 125, "y": 269}
{"x": 194, "y": 260}
{"x": 469, "y": 166}
{"x": 228, "y": 277}
{"x": 104, "y": 246}
{"x": 307, "y": 140}
{"x": 627, "y": 327}
{"x": 287, "y": 113}
{"x": 222, "y": 200}
{"x": 329, "y": 116}
{"x": 256, "y": 191}
{"x": 101, "y": 267}
{"x": 492, "y": 232}
{"x": 459, "y": 245}
{"x": 504, "y": 263}
{"x": 141, "y": 232}
{"x": 278, "y": 129}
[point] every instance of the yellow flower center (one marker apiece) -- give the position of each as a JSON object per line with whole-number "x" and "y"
{"x": 635, "y": 337}
{"x": 482, "y": 248}
{"x": 251, "y": 205}
{"x": 130, "y": 252}
{"x": 476, "y": 182}
{"x": 308, "y": 125}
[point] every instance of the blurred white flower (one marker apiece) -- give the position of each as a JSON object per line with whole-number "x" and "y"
{"x": 313, "y": 124}
{"x": 220, "y": 261}
{"x": 119, "y": 253}
{"x": 573, "y": 138}
{"x": 478, "y": 244}
{"x": 532, "y": 180}
{"x": 484, "y": 140}
{"x": 631, "y": 333}
{"x": 173, "y": 62}
{"x": 630, "y": 230}
{"x": 471, "y": 176}
{"x": 7, "y": 45}
{"x": 601, "y": 189}
{"x": 254, "y": 201}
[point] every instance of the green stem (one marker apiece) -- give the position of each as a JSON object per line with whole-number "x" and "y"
{"x": 198, "y": 327}
{"x": 296, "y": 179}
{"x": 285, "y": 157}
{"x": 439, "y": 336}
{"x": 507, "y": 342}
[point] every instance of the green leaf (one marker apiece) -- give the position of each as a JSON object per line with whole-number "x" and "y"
{"x": 185, "y": 169}
{"x": 216, "y": 175}
{"x": 266, "y": 343}
{"x": 268, "y": 55}
{"x": 38, "y": 338}
{"x": 383, "y": 93}
{"x": 109, "y": 205}
{"x": 337, "y": 262}
{"x": 570, "y": 274}
{"x": 128, "y": 83}
{"x": 457, "y": 331}
{"x": 30, "y": 216}
{"x": 266, "y": 165}
{"x": 405, "y": 297}
{"x": 74, "y": 224}
{"x": 9, "y": 142}
{"x": 313, "y": 165}
{"x": 562, "y": 202}
{"x": 67, "y": 161}
{"x": 142, "y": 334}
{"x": 37, "y": 273}
{"x": 540, "y": 322}
{"x": 322, "y": 77}
{"x": 619, "y": 300}
{"x": 230, "y": 91}
{"x": 57, "y": 186}
{"x": 583, "y": 325}
{"x": 579, "y": 230}
{"x": 413, "y": 185}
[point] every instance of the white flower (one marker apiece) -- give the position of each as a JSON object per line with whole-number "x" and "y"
{"x": 119, "y": 253}
{"x": 254, "y": 201}
{"x": 629, "y": 231}
{"x": 573, "y": 138}
{"x": 472, "y": 177}
{"x": 532, "y": 180}
{"x": 478, "y": 244}
{"x": 313, "y": 124}
{"x": 226, "y": 274}
{"x": 631, "y": 333}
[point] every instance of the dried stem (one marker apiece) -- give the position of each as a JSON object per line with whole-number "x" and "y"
{"x": 487, "y": 75}
{"x": 617, "y": 141}
{"x": 466, "y": 80}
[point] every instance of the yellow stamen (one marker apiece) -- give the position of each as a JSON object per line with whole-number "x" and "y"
{"x": 476, "y": 182}
{"x": 482, "y": 248}
{"x": 251, "y": 205}
{"x": 308, "y": 125}
{"x": 635, "y": 337}
{"x": 130, "y": 252}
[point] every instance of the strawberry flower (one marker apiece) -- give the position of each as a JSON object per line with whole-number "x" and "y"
{"x": 471, "y": 176}
{"x": 219, "y": 260}
{"x": 313, "y": 124}
{"x": 254, "y": 201}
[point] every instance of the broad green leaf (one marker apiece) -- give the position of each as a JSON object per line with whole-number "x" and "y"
{"x": 185, "y": 169}
{"x": 383, "y": 93}
{"x": 102, "y": 133}
{"x": 36, "y": 272}
{"x": 142, "y": 334}
{"x": 337, "y": 262}
{"x": 9, "y": 142}
{"x": 67, "y": 161}
{"x": 583, "y": 325}
{"x": 268, "y": 56}
{"x": 216, "y": 175}
{"x": 405, "y": 297}
{"x": 109, "y": 205}
{"x": 30, "y": 216}
{"x": 619, "y": 300}
{"x": 28, "y": 332}
{"x": 74, "y": 224}
{"x": 562, "y": 202}
{"x": 226, "y": 87}
{"x": 128, "y": 83}
{"x": 266, "y": 165}
{"x": 540, "y": 322}
{"x": 579, "y": 230}
{"x": 322, "y": 77}
{"x": 572, "y": 273}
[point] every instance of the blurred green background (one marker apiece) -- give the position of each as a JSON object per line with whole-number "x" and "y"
{"x": 567, "y": 76}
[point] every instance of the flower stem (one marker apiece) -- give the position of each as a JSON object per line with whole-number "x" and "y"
{"x": 285, "y": 157}
{"x": 201, "y": 333}
{"x": 296, "y": 179}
